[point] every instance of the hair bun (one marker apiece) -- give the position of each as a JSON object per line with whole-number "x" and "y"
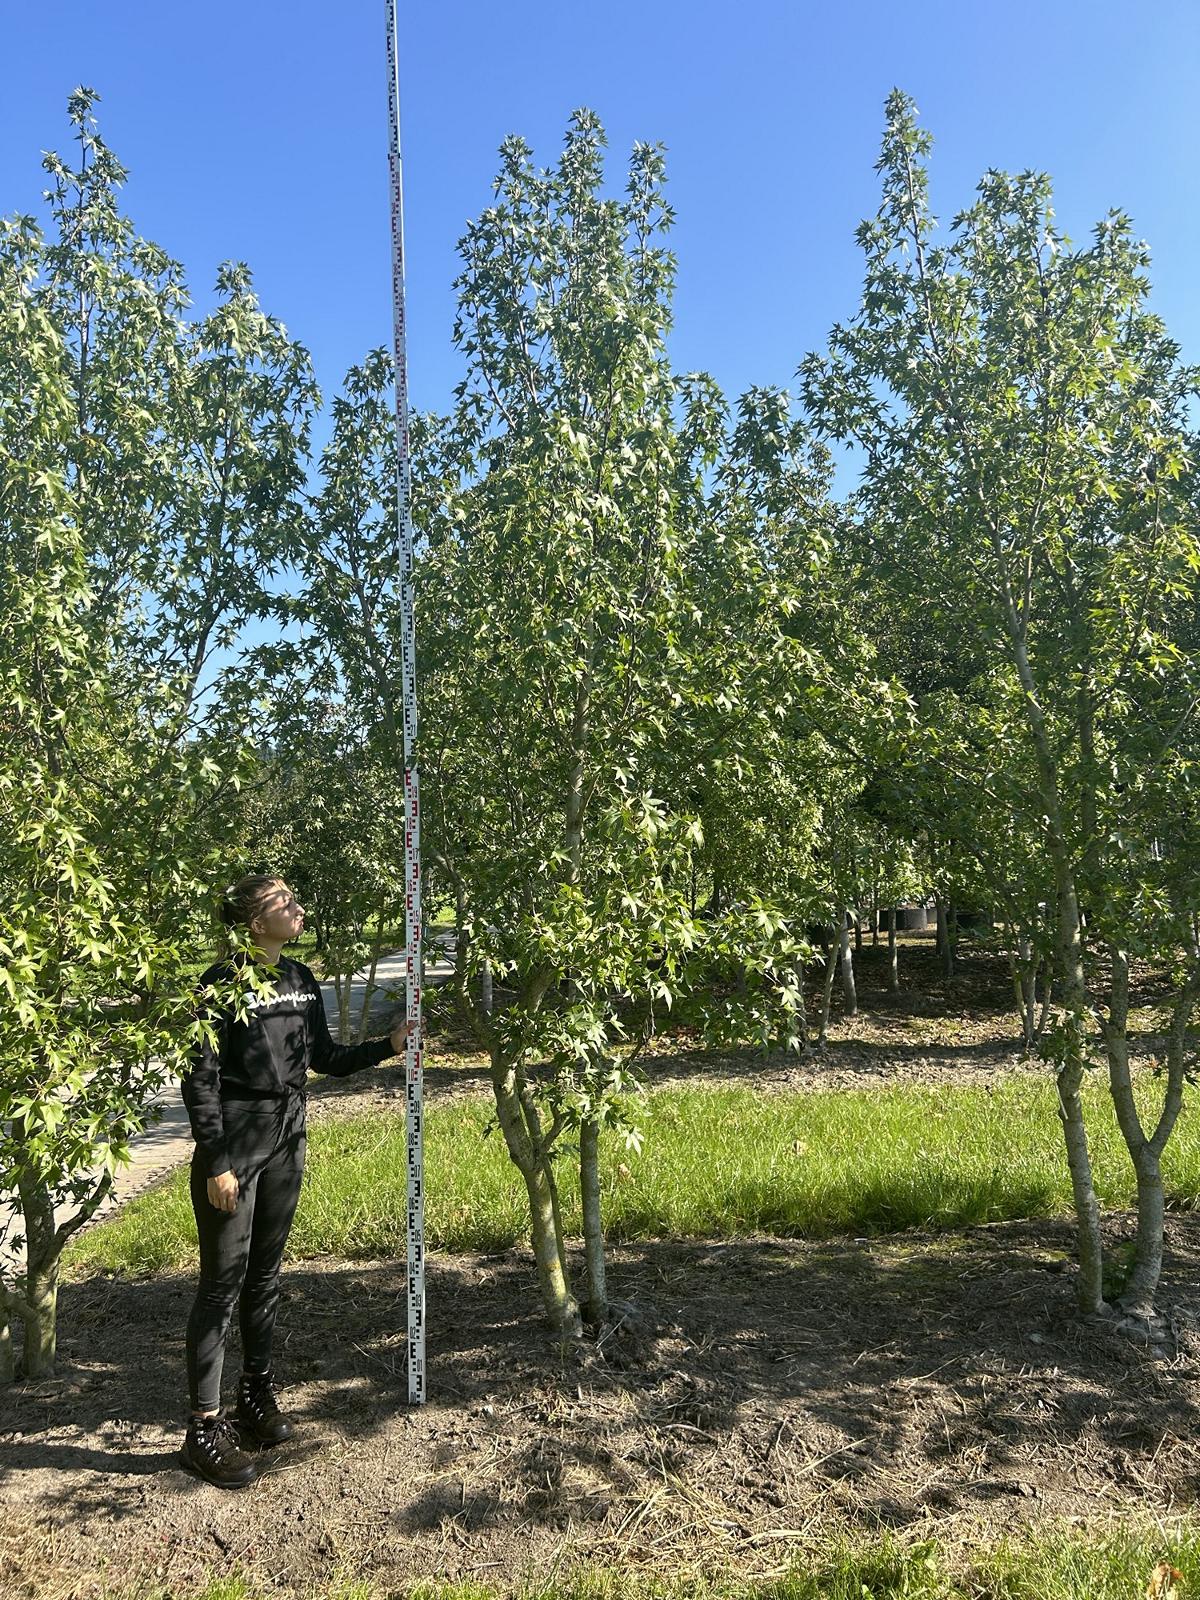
{"x": 241, "y": 901}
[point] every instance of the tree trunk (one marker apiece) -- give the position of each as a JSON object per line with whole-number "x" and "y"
{"x": 1069, "y": 1080}
{"x": 945, "y": 942}
{"x": 364, "y": 1016}
{"x": 1069, "y": 960}
{"x": 41, "y": 1326}
{"x": 487, "y": 998}
{"x": 1145, "y": 1153}
{"x": 846, "y": 962}
{"x": 554, "y": 1283}
{"x": 341, "y": 991}
{"x": 858, "y": 939}
{"x": 39, "y": 1307}
{"x": 893, "y": 953}
{"x": 1026, "y": 993}
{"x": 558, "y": 1299}
{"x": 460, "y": 936}
{"x": 827, "y": 986}
{"x": 593, "y": 1228}
{"x": 1047, "y": 997}
{"x": 1139, "y": 1291}
{"x": 7, "y": 1354}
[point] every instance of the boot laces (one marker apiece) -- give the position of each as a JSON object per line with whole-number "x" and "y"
{"x": 216, "y": 1437}
{"x": 258, "y": 1391}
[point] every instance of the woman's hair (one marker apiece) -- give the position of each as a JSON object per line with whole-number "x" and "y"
{"x": 242, "y": 901}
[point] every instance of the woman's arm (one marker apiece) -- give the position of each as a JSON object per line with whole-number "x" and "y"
{"x": 339, "y": 1060}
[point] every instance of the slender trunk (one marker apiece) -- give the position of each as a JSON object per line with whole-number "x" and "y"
{"x": 1069, "y": 961}
{"x": 945, "y": 943}
{"x": 1069, "y": 1081}
{"x": 554, "y": 1283}
{"x": 487, "y": 999}
{"x": 858, "y": 939}
{"x": 460, "y": 936}
{"x": 846, "y": 962}
{"x": 827, "y": 986}
{"x": 1047, "y": 996}
{"x": 341, "y": 994}
{"x": 558, "y": 1300}
{"x": 593, "y": 1227}
{"x": 364, "y": 1017}
{"x": 39, "y": 1308}
{"x": 1138, "y": 1294}
{"x": 1146, "y": 1152}
{"x": 893, "y": 952}
{"x": 1026, "y": 987}
{"x": 344, "y": 1018}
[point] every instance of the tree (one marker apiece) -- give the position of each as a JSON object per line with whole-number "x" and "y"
{"x": 147, "y": 479}
{"x": 579, "y": 669}
{"x": 1027, "y": 472}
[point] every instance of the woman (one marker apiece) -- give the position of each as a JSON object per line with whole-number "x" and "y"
{"x": 245, "y": 1095}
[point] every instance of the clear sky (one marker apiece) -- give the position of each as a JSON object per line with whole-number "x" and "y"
{"x": 257, "y": 130}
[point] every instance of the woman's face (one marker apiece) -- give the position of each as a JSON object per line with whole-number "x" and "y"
{"x": 280, "y": 916}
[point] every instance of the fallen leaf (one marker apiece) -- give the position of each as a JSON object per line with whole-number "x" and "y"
{"x": 1164, "y": 1582}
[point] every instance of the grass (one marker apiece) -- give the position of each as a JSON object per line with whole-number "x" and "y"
{"x": 1068, "y": 1566}
{"x": 717, "y": 1163}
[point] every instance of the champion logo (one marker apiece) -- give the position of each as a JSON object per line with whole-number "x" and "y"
{"x": 290, "y": 999}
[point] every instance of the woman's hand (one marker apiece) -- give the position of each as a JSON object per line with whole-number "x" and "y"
{"x": 223, "y": 1192}
{"x": 400, "y": 1035}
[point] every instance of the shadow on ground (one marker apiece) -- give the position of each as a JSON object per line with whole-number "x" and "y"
{"x": 753, "y": 1387}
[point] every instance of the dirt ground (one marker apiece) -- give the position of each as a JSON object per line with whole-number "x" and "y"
{"x": 759, "y": 1396}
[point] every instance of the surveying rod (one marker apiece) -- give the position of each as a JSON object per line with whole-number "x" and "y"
{"x": 414, "y": 1055}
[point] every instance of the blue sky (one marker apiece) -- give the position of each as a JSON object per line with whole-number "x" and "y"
{"x": 259, "y": 132}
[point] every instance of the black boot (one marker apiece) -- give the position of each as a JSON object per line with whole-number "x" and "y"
{"x": 211, "y": 1448}
{"x": 257, "y": 1412}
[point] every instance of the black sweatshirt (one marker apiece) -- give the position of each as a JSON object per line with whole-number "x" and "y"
{"x": 264, "y": 1059}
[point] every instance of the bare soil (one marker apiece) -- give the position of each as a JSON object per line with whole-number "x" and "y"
{"x": 757, "y": 1397}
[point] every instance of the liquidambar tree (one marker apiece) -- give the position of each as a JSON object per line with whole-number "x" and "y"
{"x": 147, "y": 472}
{"x": 1028, "y": 479}
{"x": 583, "y": 632}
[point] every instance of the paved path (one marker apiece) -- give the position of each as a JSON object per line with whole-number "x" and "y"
{"x": 168, "y": 1143}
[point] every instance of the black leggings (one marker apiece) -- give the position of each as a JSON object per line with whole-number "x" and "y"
{"x": 240, "y": 1253}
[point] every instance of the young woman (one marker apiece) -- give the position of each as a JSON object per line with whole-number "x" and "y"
{"x": 245, "y": 1095}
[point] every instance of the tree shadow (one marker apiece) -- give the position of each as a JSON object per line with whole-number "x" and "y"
{"x": 885, "y": 1376}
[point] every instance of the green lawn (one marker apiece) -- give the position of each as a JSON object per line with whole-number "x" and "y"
{"x": 1066, "y": 1567}
{"x": 717, "y": 1163}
